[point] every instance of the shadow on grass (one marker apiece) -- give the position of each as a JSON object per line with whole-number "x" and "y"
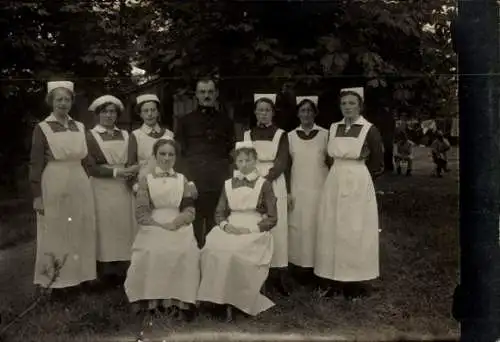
{"x": 17, "y": 224}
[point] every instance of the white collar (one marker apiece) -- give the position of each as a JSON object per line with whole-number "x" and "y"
{"x": 264, "y": 125}
{"x": 146, "y": 129}
{"x": 312, "y": 129}
{"x": 101, "y": 129}
{"x": 52, "y": 118}
{"x": 359, "y": 121}
{"x": 160, "y": 171}
{"x": 250, "y": 177}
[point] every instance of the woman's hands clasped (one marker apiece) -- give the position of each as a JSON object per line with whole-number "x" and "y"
{"x": 128, "y": 173}
{"x": 169, "y": 226}
{"x": 38, "y": 205}
{"x": 229, "y": 228}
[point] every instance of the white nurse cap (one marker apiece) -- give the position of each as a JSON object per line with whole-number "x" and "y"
{"x": 106, "y": 99}
{"x": 271, "y": 97}
{"x": 313, "y": 99}
{"x": 358, "y": 90}
{"x": 147, "y": 97}
{"x": 244, "y": 144}
{"x": 60, "y": 84}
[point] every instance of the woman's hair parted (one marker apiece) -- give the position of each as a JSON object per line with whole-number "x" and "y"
{"x": 305, "y": 101}
{"x": 100, "y": 108}
{"x": 246, "y": 150}
{"x": 268, "y": 101}
{"x": 138, "y": 107}
{"x": 49, "y": 98}
{"x": 161, "y": 142}
{"x": 353, "y": 93}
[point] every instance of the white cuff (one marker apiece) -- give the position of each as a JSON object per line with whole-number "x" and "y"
{"x": 115, "y": 172}
{"x": 223, "y": 224}
{"x": 135, "y": 187}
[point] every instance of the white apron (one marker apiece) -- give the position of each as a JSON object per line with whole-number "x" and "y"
{"x": 67, "y": 227}
{"x": 347, "y": 244}
{"x": 113, "y": 200}
{"x": 145, "y": 158}
{"x": 234, "y": 267}
{"x": 266, "y": 153}
{"x": 145, "y": 144}
{"x": 165, "y": 264}
{"x": 308, "y": 176}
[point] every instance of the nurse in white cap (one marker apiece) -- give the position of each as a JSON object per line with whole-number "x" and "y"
{"x": 63, "y": 197}
{"x": 308, "y": 153}
{"x": 142, "y": 139}
{"x": 271, "y": 144}
{"x": 347, "y": 242}
{"x": 113, "y": 199}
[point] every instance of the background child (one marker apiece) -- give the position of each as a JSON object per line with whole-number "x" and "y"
{"x": 404, "y": 153}
{"x": 439, "y": 147}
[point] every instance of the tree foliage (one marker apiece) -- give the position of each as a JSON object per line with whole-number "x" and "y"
{"x": 305, "y": 42}
{"x": 306, "y": 45}
{"x": 86, "y": 41}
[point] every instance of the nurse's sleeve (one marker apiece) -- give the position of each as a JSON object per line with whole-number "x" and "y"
{"x": 281, "y": 162}
{"x": 38, "y": 161}
{"x": 328, "y": 158}
{"x": 186, "y": 208}
{"x": 132, "y": 158}
{"x": 267, "y": 206}
{"x": 92, "y": 162}
{"x": 143, "y": 205}
{"x": 375, "y": 161}
{"x": 222, "y": 211}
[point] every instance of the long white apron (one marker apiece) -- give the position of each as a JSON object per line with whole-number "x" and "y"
{"x": 234, "y": 267}
{"x": 145, "y": 144}
{"x": 67, "y": 228}
{"x": 165, "y": 264}
{"x": 347, "y": 243}
{"x": 266, "y": 153}
{"x": 308, "y": 176}
{"x": 145, "y": 157}
{"x": 113, "y": 200}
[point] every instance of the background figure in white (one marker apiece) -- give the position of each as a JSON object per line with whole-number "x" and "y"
{"x": 115, "y": 224}
{"x": 347, "y": 247}
{"x": 309, "y": 159}
{"x": 236, "y": 257}
{"x": 271, "y": 144}
{"x": 164, "y": 271}
{"x": 63, "y": 197}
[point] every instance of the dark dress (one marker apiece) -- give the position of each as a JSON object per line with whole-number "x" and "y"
{"x": 206, "y": 137}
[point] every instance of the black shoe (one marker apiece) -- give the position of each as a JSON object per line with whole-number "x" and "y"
{"x": 187, "y": 315}
{"x": 229, "y": 314}
{"x": 355, "y": 291}
{"x": 281, "y": 289}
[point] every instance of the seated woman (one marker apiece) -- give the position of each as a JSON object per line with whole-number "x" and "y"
{"x": 237, "y": 255}
{"x": 164, "y": 269}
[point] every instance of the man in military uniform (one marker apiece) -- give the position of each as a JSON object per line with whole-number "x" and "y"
{"x": 206, "y": 137}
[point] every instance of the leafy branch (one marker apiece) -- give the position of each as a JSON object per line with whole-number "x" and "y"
{"x": 52, "y": 272}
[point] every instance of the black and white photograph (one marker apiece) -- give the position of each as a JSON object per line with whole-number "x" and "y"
{"x": 286, "y": 170}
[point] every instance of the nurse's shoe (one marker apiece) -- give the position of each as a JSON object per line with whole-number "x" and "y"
{"x": 356, "y": 291}
{"x": 280, "y": 287}
{"x": 187, "y": 315}
{"x": 335, "y": 289}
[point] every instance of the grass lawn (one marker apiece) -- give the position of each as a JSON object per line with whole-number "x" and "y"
{"x": 419, "y": 270}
